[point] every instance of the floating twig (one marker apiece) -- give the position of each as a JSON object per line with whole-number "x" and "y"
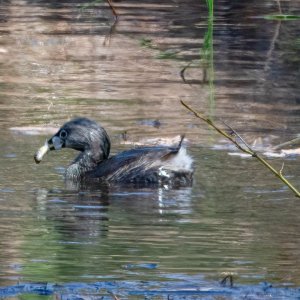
{"x": 244, "y": 147}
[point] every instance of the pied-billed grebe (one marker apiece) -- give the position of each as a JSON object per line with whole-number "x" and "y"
{"x": 142, "y": 165}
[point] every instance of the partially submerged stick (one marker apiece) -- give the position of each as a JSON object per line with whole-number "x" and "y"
{"x": 244, "y": 147}
{"x": 293, "y": 142}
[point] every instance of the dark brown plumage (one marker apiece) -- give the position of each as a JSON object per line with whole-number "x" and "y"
{"x": 143, "y": 165}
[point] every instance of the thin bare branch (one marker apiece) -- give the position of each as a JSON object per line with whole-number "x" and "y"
{"x": 247, "y": 150}
{"x": 237, "y": 134}
{"x": 209, "y": 122}
{"x": 113, "y": 9}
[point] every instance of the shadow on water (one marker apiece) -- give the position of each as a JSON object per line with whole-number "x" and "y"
{"x": 148, "y": 242}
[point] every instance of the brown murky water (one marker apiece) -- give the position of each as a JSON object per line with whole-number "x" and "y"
{"x": 58, "y": 61}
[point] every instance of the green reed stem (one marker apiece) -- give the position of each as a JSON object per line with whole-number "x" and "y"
{"x": 207, "y": 54}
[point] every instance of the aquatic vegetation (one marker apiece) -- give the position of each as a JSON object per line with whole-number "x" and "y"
{"x": 207, "y": 53}
{"x": 148, "y": 43}
{"x": 206, "y": 61}
{"x": 168, "y": 54}
{"x": 162, "y": 54}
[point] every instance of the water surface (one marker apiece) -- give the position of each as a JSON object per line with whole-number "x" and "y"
{"x": 58, "y": 61}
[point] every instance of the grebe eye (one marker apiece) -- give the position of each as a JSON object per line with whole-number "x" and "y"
{"x": 63, "y": 134}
